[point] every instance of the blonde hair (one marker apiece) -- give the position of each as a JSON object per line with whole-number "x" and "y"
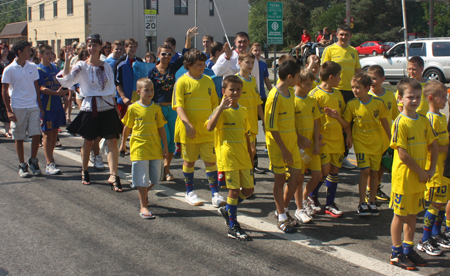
{"x": 306, "y": 74}
{"x": 433, "y": 87}
{"x": 143, "y": 82}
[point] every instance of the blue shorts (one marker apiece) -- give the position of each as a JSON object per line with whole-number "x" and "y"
{"x": 53, "y": 119}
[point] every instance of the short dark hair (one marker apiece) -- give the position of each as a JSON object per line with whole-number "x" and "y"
{"x": 19, "y": 46}
{"x": 164, "y": 46}
{"x": 208, "y": 37}
{"x": 192, "y": 56}
{"x": 344, "y": 28}
{"x": 231, "y": 79}
{"x": 363, "y": 79}
{"x": 130, "y": 41}
{"x": 242, "y": 34}
{"x": 329, "y": 68}
{"x": 377, "y": 70}
{"x": 44, "y": 47}
{"x": 288, "y": 67}
{"x": 216, "y": 46}
{"x": 171, "y": 40}
{"x": 417, "y": 60}
{"x": 408, "y": 83}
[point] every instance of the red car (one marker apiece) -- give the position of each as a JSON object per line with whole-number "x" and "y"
{"x": 372, "y": 48}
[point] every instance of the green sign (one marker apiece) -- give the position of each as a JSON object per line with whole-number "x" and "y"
{"x": 274, "y": 23}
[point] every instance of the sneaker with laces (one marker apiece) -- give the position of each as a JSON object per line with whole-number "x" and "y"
{"x": 51, "y": 169}
{"x": 373, "y": 209}
{"x": 416, "y": 258}
{"x": 33, "y": 164}
{"x": 402, "y": 261}
{"x": 23, "y": 170}
{"x": 315, "y": 204}
{"x": 333, "y": 210}
{"x": 442, "y": 240}
{"x": 223, "y": 212}
{"x": 307, "y": 207}
{"x": 347, "y": 165}
{"x": 430, "y": 247}
{"x": 192, "y": 199}
{"x": 363, "y": 210}
{"x": 381, "y": 195}
{"x": 238, "y": 233}
{"x": 218, "y": 201}
{"x": 98, "y": 163}
{"x": 302, "y": 216}
{"x": 286, "y": 226}
{"x": 258, "y": 170}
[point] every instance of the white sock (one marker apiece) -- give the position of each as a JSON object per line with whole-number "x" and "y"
{"x": 285, "y": 210}
{"x": 282, "y": 217}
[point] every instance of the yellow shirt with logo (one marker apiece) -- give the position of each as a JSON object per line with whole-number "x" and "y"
{"x": 423, "y": 106}
{"x": 306, "y": 112}
{"x": 330, "y": 128}
{"x": 145, "y": 142}
{"x": 347, "y": 58}
{"x": 198, "y": 98}
{"x": 439, "y": 124}
{"x": 230, "y": 142}
{"x": 366, "y": 131}
{"x": 413, "y": 135}
{"x": 250, "y": 99}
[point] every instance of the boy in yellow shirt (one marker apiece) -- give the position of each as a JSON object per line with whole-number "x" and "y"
{"x": 412, "y": 136}
{"x": 332, "y": 153}
{"x": 281, "y": 139}
{"x": 376, "y": 73}
{"x": 231, "y": 127}
{"x": 437, "y": 187}
{"x": 367, "y": 113}
{"x": 146, "y": 120}
{"x": 194, "y": 99}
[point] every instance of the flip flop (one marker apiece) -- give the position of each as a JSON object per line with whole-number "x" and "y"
{"x": 148, "y": 215}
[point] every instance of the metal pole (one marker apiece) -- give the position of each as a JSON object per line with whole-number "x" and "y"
{"x": 195, "y": 22}
{"x": 405, "y": 30}
{"x": 431, "y": 34}
{"x": 275, "y": 64}
{"x": 348, "y": 11}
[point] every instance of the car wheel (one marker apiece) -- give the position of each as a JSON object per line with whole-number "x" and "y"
{"x": 374, "y": 53}
{"x": 434, "y": 74}
{"x": 393, "y": 82}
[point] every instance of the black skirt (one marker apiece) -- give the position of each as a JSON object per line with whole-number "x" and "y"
{"x": 106, "y": 125}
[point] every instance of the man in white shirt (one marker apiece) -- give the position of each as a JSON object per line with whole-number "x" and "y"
{"x": 23, "y": 103}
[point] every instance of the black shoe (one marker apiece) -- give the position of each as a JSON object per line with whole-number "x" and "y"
{"x": 416, "y": 258}
{"x": 402, "y": 261}
{"x": 381, "y": 195}
{"x": 373, "y": 209}
{"x": 363, "y": 210}
{"x": 238, "y": 233}
{"x": 258, "y": 170}
{"x": 252, "y": 196}
{"x": 223, "y": 212}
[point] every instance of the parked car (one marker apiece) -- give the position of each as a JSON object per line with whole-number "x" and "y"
{"x": 434, "y": 51}
{"x": 372, "y": 48}
{"x": 390, "y": 43}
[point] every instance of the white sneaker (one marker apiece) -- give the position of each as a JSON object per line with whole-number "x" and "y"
{"x": 307, "y": 207}
{"x": 98, "y": 163}
{"x": 301, "y": 216}
{"x": 192, "y": 199}
{"x": 347, "y": 165}
{"x": 218, "y": 201}
{"x": 51, "y": 169}
{"x": 92, "y": 157}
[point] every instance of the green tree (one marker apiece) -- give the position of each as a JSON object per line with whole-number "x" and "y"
{"x": 12, "y": 11}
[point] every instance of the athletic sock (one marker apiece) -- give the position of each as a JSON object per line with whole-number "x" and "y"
{"x": 241, "y": 197}
{"x": 211, "y": 174}
{"x": 438, "y": 222}
{"x": 315, "y": 192}
{"x": 189, "y": 178}
{"x": 231, "y": 210}
{"x": 397, "y": 250}
{"x": 428, "y": 222}
{"x": 407, "y": 247}
{"x": 331, "y": 183}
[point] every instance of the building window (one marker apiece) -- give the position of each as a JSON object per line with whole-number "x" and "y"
{"x": 181, "y": 6}
{"x": 211, "y": 8}
{"x": 29, "y": 13}
{"x": 151, "y": 5}
{"x": 69, "y": 7}
{"x": 41, "y": 11}
{"x": 55, "y": 9}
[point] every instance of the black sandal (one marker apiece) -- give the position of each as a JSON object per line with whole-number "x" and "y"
{"x": 116, "y": 186}
{"x": 85, "y": 179}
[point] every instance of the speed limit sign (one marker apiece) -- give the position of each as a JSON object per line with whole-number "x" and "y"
{"x": 150, "y": 23}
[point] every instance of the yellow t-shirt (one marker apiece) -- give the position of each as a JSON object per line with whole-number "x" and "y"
{"x": 439, "y": 125}
{"x": 145, "y": 142}
{"x": 390, "y": 102}
{"x": 330, "y": 128}
{"x": 280, "y": 116}
{"x": 347, "y": 58}
{"x": 423, "y": 106}
{"x": 230, "y": 141}
{"x": 250, "y": 99}
{"x": 315, "y": 83}
{"x": 366, "y": 129}
{"x": 306, "y": 112}
{"x": 198, "y": 98}
{"x": 413, "y": 135}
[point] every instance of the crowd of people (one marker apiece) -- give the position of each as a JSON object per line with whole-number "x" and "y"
{"x": 311, "y": 117}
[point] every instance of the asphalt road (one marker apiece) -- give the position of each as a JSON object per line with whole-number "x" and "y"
{"x": 53, "y": 225}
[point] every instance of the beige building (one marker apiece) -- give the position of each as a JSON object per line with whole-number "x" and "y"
{"x": 60, "y": 22}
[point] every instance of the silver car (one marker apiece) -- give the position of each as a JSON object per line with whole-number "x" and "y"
{"x": 434, "y": 51}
